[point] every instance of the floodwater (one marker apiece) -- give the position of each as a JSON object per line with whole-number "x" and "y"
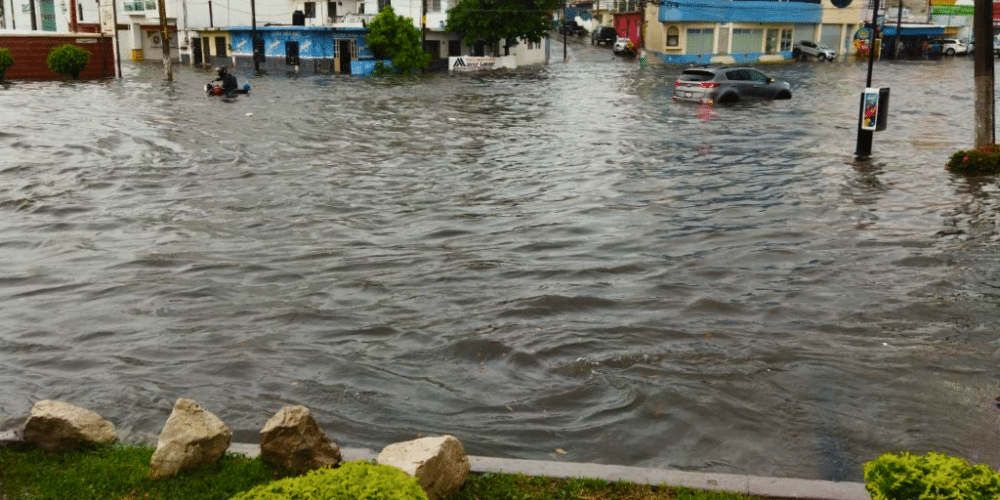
{"x": 550, "y": 258}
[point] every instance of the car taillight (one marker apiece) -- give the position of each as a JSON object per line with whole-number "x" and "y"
{"x": 677, "y": 83}
{"x": 708, "y": 85}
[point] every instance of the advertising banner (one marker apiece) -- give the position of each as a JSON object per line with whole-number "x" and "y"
{"x": 869, "y": 115}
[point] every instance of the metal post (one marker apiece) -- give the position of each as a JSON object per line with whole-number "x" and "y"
{"x": 864, "y": 145}
{"x": 253, "y": 36}
{"x": 423, "y": 25}
{"x": 982, "y": 28}
{"x": 211, "y": 23}
{"x": 34, "y": 24}
{"x": 13, "y": 23}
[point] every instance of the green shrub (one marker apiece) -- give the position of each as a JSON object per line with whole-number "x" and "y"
{"x": 6, "y": 61}
{"x": 933, "y": 477}
{"x": 68, "y": 60}
{"x": 351, "y": 481}
{"x": 982, "y": 161}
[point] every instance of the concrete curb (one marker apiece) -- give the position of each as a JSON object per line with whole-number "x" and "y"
{"x": 747, "y": 485}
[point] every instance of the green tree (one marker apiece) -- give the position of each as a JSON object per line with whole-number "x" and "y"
{"x": 68, "y": 60}
{"x": 6, "y": 61}
{"x": 395, "y": 38}
{"x": 490, "y": 21}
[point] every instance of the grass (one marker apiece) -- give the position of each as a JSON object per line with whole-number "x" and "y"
{"x": 120, "y": 472}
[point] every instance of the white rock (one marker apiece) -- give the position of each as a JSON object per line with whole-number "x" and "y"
{"x": 439, "y": 463}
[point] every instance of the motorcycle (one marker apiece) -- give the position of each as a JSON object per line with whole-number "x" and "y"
{"x": 212, "y": 89}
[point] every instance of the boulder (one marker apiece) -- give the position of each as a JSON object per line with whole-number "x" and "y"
{"x": 293, "y": 440}
{"x": 439, "y": 463}
{"x": 58, "y": 426}
{"x": 191, "y": 437}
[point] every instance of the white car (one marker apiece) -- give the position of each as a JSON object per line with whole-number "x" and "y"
{"x": 953, "y": 46}
{"x": 621, "y": 47}
{"x": 818, "y": 50}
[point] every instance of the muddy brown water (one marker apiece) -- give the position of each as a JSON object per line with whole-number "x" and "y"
{"x": 554, "y": 257}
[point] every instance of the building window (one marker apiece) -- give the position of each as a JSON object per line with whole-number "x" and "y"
{"x": 786, "y": 40}
{"x": 771, "y": 42}
{"x": 331, "y": 10}
{"x": 435, "y": 6}
{"x": 382, "y": 4}
{"x": 220, "y": 46}
{"x": 310, "y": 9}
{"x": 673, "y": 36}
{"x": 361, "y": 8}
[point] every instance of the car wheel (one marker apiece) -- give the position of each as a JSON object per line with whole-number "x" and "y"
{"x": 820, "y": 57}
{"x": 784, "y": 95}
{"x": 728, "y": 98}
{"x": 950, "y": 52}
{"x": 796, "y": 53}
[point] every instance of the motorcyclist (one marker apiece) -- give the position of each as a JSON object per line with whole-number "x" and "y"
{"x": 229, "y": 85}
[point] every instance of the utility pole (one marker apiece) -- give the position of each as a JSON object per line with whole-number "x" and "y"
{"x": 34, "y": 24}
{"x": 982, "y": 28}
{"x": 168, "y": 68}
{"x": 423, "y": 25}
{"x": 13, "y": 23}
{"x": 899, "y": 31}
{"x": 211, "y": 22}
{"x": 565, "y": 29}
{"x": 253, "y": 36}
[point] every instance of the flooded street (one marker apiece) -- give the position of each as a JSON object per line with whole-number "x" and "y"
{"x": 554, "y": 257}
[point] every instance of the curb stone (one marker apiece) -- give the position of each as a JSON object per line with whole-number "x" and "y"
{"x": 748, "y": 485}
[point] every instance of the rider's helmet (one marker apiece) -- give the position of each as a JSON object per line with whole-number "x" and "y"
{"x": 221, "y": 70}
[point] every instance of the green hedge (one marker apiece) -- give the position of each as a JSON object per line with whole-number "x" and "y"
{"x": 6, "y": 61}
{"x": 68, "y": 60}
{"x": 351, "y": 481}
{"x": 981, "y": 161}
{"x": 935, "y": 476}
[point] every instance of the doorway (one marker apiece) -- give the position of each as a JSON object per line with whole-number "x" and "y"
{"x": 344, "y": 48}
{"x": 196, "y": 57}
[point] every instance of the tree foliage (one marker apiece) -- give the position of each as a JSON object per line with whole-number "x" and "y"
{"x": 394, "y": 37}
{"x": 492, "y": 21}
{"x": 68, "y": 60}
{"x": 6, "y": 61}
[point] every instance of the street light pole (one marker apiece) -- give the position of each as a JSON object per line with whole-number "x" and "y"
{"x": 864, "y": 143}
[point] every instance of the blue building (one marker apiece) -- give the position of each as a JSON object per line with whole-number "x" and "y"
{"x": 316, "y": 49}
{"x": 742, "y": 31}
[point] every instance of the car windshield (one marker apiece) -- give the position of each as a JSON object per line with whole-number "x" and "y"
{"x": 696, "y": 76}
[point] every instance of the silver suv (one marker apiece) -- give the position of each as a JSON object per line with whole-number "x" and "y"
{"x": 728, "y": 84}
{"x": 818, "y": 50}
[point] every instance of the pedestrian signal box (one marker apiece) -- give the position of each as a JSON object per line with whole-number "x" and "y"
{"x": 875, "y": 109}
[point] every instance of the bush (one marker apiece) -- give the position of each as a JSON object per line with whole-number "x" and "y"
{"x": 982, "y": 161}
{"x": 933, "y": 477}
{"x": 68, "y": 60}
{"x": 6, "y": 61}
{"x": 351, "y": 481}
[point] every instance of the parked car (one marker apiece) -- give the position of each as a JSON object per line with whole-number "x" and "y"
{"x": 571, "y": 28}
{"x": 623, "y": 47}
{"x": 605, "y": 34}
{"x": 818, "y": 50}
{"x": 728, "y": 84}
{"x": 951, "y": 46}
